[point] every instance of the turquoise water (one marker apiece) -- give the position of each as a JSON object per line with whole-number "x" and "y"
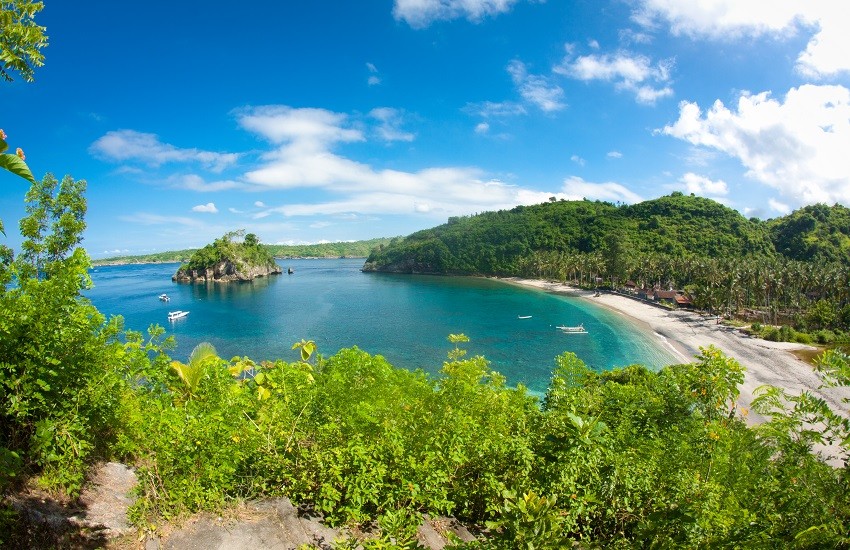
{"x": 405, "y": 318}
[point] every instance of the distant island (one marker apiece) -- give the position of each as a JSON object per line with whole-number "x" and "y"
{"x": 228, "y": 260}
{"x": 341, "y": 249}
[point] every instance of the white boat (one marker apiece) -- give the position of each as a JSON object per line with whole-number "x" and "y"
{"x": 164, "y": 297}
{"x": 573, "y": 330}
{"x": 523, "y": 316}
{"x": 172, "y": 315}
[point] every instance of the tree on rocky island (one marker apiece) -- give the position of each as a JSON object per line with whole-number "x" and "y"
{"x": 234, "y": 256}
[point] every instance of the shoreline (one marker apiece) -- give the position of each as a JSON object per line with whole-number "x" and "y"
{"x": 766, "y": 363}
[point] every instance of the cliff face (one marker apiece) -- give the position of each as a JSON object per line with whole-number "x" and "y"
{"x": 225, "y": 271}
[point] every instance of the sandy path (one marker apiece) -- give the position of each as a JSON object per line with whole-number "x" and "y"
{"x": 765, "y": 362}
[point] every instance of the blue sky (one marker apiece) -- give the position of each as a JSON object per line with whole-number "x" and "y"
{"x": 306, "y": 122}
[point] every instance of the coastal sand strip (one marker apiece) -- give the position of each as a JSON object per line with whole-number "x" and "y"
{"x": 766, "y": 362}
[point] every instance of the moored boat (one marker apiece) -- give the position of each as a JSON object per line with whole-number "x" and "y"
{"x": 572, "y": 330}
{"x": 172, "y": 315}
{"x": 164, "y": 297}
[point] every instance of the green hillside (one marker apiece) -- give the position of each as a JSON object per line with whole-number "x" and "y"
{"x": 348, "y": 249}
{"x": 816, "y": 232}
{"x": 497, "y": 243}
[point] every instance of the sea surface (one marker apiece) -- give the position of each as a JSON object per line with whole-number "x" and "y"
{"x": 405, "y": 318}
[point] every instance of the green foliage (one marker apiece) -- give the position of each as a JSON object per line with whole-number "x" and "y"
{"x": 353, "y": 249}
{"x": 814, "y": 233}
{"x": 59, "y": 369}
{"x": 13, "y": 163}
{"x": 245, "y": 254}
{"x": 21, "y": 39}
{"x": 497, "y": 243}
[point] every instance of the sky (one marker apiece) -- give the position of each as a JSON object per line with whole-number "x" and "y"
{"x": 323, "y": 121}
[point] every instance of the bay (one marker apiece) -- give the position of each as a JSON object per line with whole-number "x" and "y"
{"x": 405, "y": 318}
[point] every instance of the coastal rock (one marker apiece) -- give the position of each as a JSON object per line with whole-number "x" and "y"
{"x": 408, "y": 266}
{"x": 225, "y": 272}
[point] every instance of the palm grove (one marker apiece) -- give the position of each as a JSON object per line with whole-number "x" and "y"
{"x": 623, "y": 458}
{"x": 792, "y": 271}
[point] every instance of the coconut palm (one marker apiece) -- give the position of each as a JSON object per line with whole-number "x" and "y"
{"x": 192, "y": 373}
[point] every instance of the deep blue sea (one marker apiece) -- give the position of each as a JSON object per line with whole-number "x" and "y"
{"x": 405, "y": 318}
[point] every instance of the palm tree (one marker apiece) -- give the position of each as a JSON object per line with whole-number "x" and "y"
{"x": 192, "y": 373}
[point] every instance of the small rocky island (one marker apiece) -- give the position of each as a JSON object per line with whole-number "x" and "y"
{"x": 230, "y": 258}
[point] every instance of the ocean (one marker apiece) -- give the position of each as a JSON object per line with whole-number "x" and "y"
{"x": 405, "y": 318}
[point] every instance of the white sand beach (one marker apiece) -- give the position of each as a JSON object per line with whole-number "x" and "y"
{"x": 686, "y": 331}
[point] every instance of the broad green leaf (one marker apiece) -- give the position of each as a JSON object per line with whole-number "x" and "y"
{"x": 14, "y": 164}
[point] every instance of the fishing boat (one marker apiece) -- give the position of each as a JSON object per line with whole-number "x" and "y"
{"x": 174, "y": 315}
{"x": 523, "y": 316}
{"x": 572, "y": 330}
{"x": 164, "y": 297}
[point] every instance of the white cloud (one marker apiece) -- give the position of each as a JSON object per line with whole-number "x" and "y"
{"x": 194, "y": 182}
{"x": 421, "y": 13}
{"x": 798, "y": 146}
{"x": 614, "y": 155}
{"x": 575, "y": 188}
{"x": 235, "y": 210}
{"x": 373, "y": 79}
{"x": 129, "y": 145}
{"x": 577, "y": 159}
{"x": 489, "y": 109}
{"x": 390, "y": 124}
{"x": 828, "y": 20}
{"x": 482, "y": 128}
{"x": 209, "y": 208}
{"x": 536, "y": 89}
{"x": 628, "y": 71}
{"x": 311, "y": 129}
{"x": 144, "y": 218}
{"x": 703, "y": 186}
{"x": 259, "y": 204}
{"x": 780, "y": 207}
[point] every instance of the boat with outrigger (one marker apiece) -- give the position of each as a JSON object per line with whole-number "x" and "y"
{"x": 174, "y": 315}
{"x": 572, "y": 330}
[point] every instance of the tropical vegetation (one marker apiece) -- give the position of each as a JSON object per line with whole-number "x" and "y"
{"x": 343, "y": 249}
{"x": 792, "y": 271}
{"x": 617, "y": 459}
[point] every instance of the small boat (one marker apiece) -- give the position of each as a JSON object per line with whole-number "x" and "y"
{"x": 164, "y": 297}
{"x": 523, "y": 316}
{"x": 174, "y": 315}
{"x": 573, "y": 330}
{"x": 290, "y": 271}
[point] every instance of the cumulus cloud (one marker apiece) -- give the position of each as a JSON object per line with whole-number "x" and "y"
{"x": 421, "y": 13}
{"x": 390, "y": 122}
{"x": 129, "y": 145}
{"x": 703, "y": 186}
{"x": 575, "y": 188}
{"x": 308, "y": 160}
{"x": 209, "y": 208}
{"x": 825, "y": 54}
{"x": 628, "y": 71}
{"x": 780, "y": 207}
{"x": 536, "y": 89}
{"x": 614, "y": 155}
{"x": 482, "y": 128}
{"x": 798, "y": 146}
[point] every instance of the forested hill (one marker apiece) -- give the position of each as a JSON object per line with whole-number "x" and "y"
{"x": 504, "y": 242}
{"x": 817, "y": 232}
